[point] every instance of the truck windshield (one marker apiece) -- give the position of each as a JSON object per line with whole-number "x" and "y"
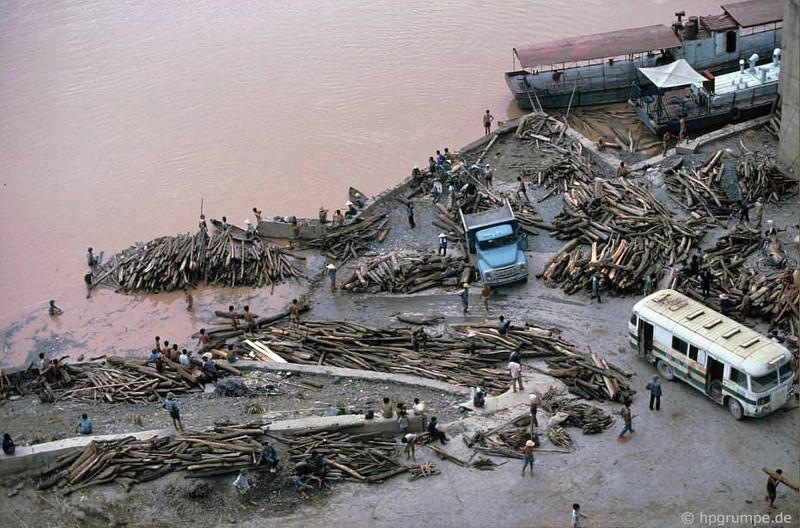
{"x": 765, "y": 382}
{"x": 507, "y": 240}
{"x": 785, "y": 371}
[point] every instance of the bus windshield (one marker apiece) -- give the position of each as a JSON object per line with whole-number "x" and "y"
{"x": 765, "y": 382}
{"x": 785, "y": 371}
{"x": 507, "y": 240}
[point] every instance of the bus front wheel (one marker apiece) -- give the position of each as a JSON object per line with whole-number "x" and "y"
{"x": 735, "y": 408}
{"x": 665, "y": 369}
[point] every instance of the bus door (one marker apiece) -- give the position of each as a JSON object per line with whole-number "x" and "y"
{"x": 714, "y": 370}
{"x": 645, "y": 339}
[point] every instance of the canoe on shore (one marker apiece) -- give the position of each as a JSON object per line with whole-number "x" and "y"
{"x": 237, "y": 233}
{"x": 356, "y": 196}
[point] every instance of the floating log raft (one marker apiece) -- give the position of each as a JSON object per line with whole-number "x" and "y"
{"x": 348, "y": 241}
{"x": 177, "y": 262}
{"x": 405, "y": 273}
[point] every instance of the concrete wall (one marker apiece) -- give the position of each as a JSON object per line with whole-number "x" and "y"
{"x": 789, "y": 149}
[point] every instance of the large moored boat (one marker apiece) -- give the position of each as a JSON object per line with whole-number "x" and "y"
{"x": 599, "y": 68}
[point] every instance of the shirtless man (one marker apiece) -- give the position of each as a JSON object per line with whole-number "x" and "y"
{"x": 338, "y": 218}
{"x": 257, "y": 214}
{"x": 487, "y": 122}
{"x": 232, "y": 317}
{"x": 249, "y": 320}
{"x": 294, "y": 313}
{"x": 203, "y": 339}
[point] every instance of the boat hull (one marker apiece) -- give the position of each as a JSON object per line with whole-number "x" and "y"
{"x": 705, "y": 122}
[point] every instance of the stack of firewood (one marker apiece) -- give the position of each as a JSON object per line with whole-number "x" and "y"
{"x": 760, "y": 178}
{"x": 592, "y": 378}
{"x": 343, "y": 243}
{"x": 590, "y": 419}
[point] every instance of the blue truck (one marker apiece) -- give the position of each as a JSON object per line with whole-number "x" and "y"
{"x": 495, "y": 242}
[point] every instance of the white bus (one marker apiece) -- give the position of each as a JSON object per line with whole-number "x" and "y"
{"x": 727, "y": 361}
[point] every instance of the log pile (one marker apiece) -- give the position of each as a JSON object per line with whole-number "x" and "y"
{"x": 592, "y": 378}
{"x": 340, "y": 244}
{"x": 405, "y": 273}
{"x": 559, "y": 437}
{"x": 367, "y": 458}
{"x": 425, "y": 469}
{"x": 590, "y": 419}
{"x": 631, "y": 236}
{"x": 538, "y": 127}
{"x": 128, "y": 461}
{"x": 759, "y": 177}
{"x": 172, "y": 263}
{"x": 458, "y": 358}
{"x": 123, "y": 380}
{"x": 696, "y": 191}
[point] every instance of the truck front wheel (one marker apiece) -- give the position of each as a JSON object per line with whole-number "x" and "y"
{"x": 735, "y": 408}
{"x": 665, "y": 369}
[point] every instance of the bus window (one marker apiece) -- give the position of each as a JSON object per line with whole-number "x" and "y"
{"x": 633, "y": 319}
{"x": 740, "y": 378}
{"x": 679, "y": 345}
{"x": 693, "y": 352}
{"x": 765, "y": 382}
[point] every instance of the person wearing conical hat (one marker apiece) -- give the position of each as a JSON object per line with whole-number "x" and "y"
{"x": 332, "y": 275}
{"x": 442, "y": 244}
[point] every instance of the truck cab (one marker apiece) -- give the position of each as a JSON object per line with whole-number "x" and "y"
{"x": 495, "y": 244}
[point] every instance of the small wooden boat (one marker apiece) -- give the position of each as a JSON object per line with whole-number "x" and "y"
{"x": 357, "y": 197}
{"x": 237, "y": 233}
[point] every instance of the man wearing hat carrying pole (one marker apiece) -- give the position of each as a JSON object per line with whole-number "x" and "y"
{"x": 332, "y": 275}
{"x": 174, "y": 413}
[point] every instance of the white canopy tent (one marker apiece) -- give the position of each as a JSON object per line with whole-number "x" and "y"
{"x": 678, "y": 73}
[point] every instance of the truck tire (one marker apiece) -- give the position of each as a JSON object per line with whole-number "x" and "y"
{"x": 735, "y": 408}
{"x": 665, "y": 369}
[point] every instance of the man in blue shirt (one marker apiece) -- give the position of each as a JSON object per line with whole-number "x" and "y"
{"x": 84, "y": 425}
{"x": 174, "y": 413}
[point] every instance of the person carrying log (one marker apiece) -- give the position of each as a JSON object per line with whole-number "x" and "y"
{"x": 772, "y": 487}
{"x": 174, "y": 412}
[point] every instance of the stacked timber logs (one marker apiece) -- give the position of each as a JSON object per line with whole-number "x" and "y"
{"x": 426, "y": 469}
{"x": 346, "y": 242}
{"x": 696, "y": 192}
{"x": 592, "y": 378}
{"x": 632, "y": 236}
{"x": 470, "y": 356}
{"x": 122, "y": 380}
{"x": 128, "y": 461}
{"x": 405, "y": 273}
{"x": 560, "y": 175}
{"x": 559, "y": 437}
{"x": 367, "y": 458}
{"x": 176, "y": 262}
{"x": 760, "y": 178}
{"x": 590, "y": 419}
{"x": 538, "y": 127}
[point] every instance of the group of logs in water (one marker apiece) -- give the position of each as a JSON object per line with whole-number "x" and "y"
{"x": 180, "y": 262}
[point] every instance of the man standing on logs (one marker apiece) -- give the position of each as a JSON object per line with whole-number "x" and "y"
{"x": 442, "y": 244}
{"x": 655, "y": 393}
{"x": 464, "y": 298}
{"x": 174, "y": 413}
{"x": 91, "y": 260}
{"x": 209, "y": 368}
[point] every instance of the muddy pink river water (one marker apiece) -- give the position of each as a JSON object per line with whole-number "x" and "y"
{"x": 117, "y": 117}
